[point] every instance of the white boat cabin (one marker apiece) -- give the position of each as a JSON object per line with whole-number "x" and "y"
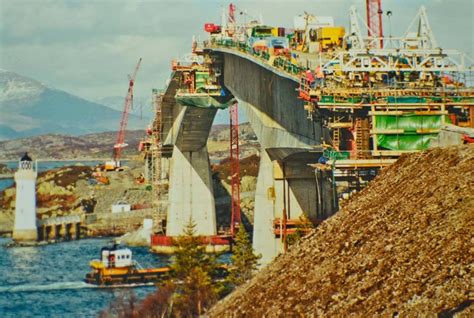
{"x": 112, "y": 257}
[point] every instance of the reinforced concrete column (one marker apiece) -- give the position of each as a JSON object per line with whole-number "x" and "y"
{"x": 51, "y": 232}
{"x": 264, "y": 241}
{"x": 191, "y": 193}
{"x": 62, "y": 230}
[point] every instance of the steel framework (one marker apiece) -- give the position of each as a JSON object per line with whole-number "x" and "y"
{"x": 120, "y": 143}
{"x": 234, "y": 167}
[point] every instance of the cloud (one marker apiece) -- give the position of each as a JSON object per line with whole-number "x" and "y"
{"x": 88, "y": 47}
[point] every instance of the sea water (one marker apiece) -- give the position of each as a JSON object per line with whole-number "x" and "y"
{"x": 47, "y": 281}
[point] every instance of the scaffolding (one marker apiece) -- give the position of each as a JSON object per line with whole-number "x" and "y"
{"x": 156, "y": 153}
{"x": 234, "y": 168}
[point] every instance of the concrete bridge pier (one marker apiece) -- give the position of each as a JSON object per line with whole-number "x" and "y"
{"x": 286, "y": 184}
{"x": 191, "y": 193}
{"x": 60, "y": 228}
{"x": 289, "y": 142}
{"x": 285, "y": 181}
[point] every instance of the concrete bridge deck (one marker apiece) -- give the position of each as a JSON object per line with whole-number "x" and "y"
{"x": 269, "y": 95}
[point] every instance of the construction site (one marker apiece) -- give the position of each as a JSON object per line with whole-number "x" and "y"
{"x": 353, "y": 178}
{"x": 331, "y": 107}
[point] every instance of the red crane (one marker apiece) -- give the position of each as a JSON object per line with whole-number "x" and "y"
{"x": 374, "y": 19}
{"x": 234, "y": 167}
{"x": 120, "y": 143}
{"x": 231, "y": 17}
{"x": 231, "y": 20}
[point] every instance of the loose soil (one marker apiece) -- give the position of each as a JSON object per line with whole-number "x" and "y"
{"x": 404, "y": 246}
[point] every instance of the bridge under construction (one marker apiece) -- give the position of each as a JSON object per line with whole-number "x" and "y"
{"x": 330, "y": 108}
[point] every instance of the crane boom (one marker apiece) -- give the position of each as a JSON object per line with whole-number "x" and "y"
{"x": 120, "y": 142}
{"x": 374, "y": 19}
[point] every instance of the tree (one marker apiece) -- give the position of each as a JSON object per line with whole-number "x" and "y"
{"x": 124, "y": 305}
{"x": 188, "y": 293}
{"x": 160, "y": 303}
{"x": 193, "y": 270}
{"x": 244, "y": 262}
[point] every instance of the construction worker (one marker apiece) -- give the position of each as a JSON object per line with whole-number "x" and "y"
{"x": 319, "y": 76}
{"x": 310, "y": 78}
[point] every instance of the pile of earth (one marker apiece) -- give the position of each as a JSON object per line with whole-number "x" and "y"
{"x": 222, "y": 190}
{"x": 401, "y": 247}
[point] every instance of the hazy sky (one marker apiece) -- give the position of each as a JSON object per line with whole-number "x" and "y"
{"x": 87, "y": 47}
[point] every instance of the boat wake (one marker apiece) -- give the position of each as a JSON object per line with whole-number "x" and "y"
{"x": 62, "y": 286}
{"x": 38, "y": 287}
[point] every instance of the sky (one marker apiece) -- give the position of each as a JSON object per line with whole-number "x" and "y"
{"x": 88, "y": 47}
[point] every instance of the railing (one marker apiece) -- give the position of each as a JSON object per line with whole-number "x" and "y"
{"x": 280, "y": 62}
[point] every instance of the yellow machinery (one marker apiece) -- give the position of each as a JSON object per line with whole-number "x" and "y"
{"x": 330, "y": 37}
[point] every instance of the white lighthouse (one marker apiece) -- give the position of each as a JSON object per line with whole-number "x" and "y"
{"x": 25, "y": 209}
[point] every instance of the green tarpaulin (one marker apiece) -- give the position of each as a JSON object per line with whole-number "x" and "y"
{"x": 205, "y": 101}
{"x": 405, "y": 142}
{"x": 409, "y": 139}
{"x": 409, "y": 122}
{"x": 405, "y": 99}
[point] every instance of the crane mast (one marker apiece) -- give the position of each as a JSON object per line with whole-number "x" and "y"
{"x": 120, "y": 142}
{"x": 374, "y": 19}
{"x": 234, "y": 167}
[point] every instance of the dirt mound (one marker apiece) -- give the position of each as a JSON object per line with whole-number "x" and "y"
{"x": 248, "y": 167}
{"x": 401, "y": 247}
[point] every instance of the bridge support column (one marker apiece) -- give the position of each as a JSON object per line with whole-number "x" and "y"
{"x": 264, "y": 241}
{"x": 57, "y": 231}
{"x": 191, "y": 193}
{"x": 50, "y": 232}
{"x": 62, "y": 231}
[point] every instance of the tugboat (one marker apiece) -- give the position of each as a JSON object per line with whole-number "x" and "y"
{"x": 116, "y": 267}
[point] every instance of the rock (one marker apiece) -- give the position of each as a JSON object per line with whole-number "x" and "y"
{"x": 140, "y": 237}
{"x": 248, "y": 183}
{"x": 408, "y": 253}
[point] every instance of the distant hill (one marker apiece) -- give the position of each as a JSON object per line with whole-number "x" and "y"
{"x": 29, "y": 108}
{"x": 141, "y": 106}
{"x": 100, "y": 145}
{"x": 55, "y": 146}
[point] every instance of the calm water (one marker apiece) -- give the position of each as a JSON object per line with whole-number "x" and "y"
{"x": 46, "y": 281}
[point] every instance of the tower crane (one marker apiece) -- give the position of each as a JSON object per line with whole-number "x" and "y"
{"x": 120, "y": 142}
{"x": 374, "y": 19}
{"x": 234, "y": 168}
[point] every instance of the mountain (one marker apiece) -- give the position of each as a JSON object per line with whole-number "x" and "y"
{"x": 56, "y": 146}
{"x": 100, "y": 145}
{"x": 29, "y": 108}
{"x": 141, "y": 105}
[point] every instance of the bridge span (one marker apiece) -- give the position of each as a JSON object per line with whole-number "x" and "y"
{"x": 289, "y": 143}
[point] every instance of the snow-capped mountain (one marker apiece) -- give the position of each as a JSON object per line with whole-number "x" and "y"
{"x": 15, "y": 88}
{"x": 28, "y": 107}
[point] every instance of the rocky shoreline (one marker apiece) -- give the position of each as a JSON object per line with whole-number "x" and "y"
{"x": 69, "y": 191}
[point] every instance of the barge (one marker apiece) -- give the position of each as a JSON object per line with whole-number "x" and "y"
{"x": 116, "y": 267}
